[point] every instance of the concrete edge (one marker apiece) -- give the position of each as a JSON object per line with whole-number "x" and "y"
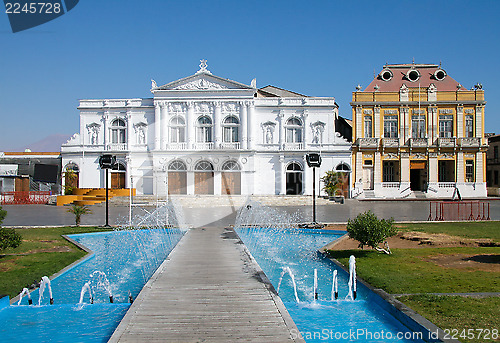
{"x": 89, "y": 255}
{"x": 290, "y": 324}
{"x": 399, "y": 306}
{"x": 129, "y": 315}
{"x": 334, "y": 243}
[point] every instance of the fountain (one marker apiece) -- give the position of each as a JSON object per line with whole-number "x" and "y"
{"x": 352, "y": 278}
{"x": 335, "y": 286}
{"x": 23, "y": 292}
{"x": 86, "y": 288}
{"x": 289, "y": 271}
{"x": 315, "y": 287}
{"x": 45, "y": 282}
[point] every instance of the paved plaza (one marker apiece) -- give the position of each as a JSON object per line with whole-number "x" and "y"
{"x": 196, "y": 215}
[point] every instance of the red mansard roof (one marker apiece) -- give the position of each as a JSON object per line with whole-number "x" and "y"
{"x": 399, "y": 78}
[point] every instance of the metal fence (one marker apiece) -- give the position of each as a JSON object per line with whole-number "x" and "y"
{"x": 459, "y": 210}
{"x": 23, "y": 198}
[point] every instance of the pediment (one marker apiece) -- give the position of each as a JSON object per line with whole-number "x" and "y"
{"x": 202, "y": 82}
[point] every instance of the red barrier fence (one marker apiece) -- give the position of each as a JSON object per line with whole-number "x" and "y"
{"x": 23, "y": 198}
{"x": 459, "y": 210}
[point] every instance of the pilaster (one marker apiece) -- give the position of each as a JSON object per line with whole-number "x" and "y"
{"x": 251, "y": 116}
{"x": 460, "y": 121}
{"x": 281, "y": 129}
{"x": 243, "y": 124}
{"x": 479, "y": 121}
{"x": 460, "y": 167}
{"x": 157, "y": 125}
{"x": 164, "y": 122}
{"x": 306, "y": 131}
{"x": 190, "y": 129}
{"x": 217, "y": 124}
{"x": 376, "y": 122}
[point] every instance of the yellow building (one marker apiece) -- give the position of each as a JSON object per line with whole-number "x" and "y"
{"x": 418, "y": 133}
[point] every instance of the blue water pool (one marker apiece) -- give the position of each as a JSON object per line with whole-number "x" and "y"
{"x": 128, "y": 258}
{"x": 365, "y": 319}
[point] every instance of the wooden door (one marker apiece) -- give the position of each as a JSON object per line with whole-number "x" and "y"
{"x": 231, "y": 183}
{"x": 177, "y": 183}
{"x": 117, "y": 180}
{"x": 204, "y": 183}
{"x": 368, "y": 178}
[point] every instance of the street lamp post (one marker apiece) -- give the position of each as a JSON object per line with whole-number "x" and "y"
{"x": 313, "y": 161}
{"x": 107, "y": 162}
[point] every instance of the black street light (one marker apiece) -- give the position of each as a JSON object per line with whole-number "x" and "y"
{"x": 107, "y": 162}
{"x": 313, "y": 161}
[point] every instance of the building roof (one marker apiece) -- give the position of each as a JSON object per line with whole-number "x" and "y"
{"x": 427, "y": 75}
{"x": 273, "y": 91}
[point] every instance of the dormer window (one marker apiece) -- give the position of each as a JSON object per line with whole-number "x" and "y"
{"x": 386, "y": 74}
{"x": 439, "y": 74}
{"x": 413, "y": 75}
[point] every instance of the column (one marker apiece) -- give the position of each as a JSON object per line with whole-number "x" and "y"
{"x": 164, "y": 130}
{"x": 402, "y": 125}
{"x": 157, "y": 126}
{"x": 243, "y": 124}
{"x": 190, "y": 129}
{"x": 460, "y": 167}
{"x": 306, "y": 136}
{"x": 359, "y": 122}
{"x": 217, "y": 183}
{"x": 460, "y": 121}
{"x": 479, "y": 121}
{"x": 217, "y": 124}
{"x": 435, "y": 118}
{"x": 251, "y": 116}
{"x": 105, "y": 129}
{"x": 479, "y": 167}
{"x": 358, "y": 170}
{"x": 407, "y": 131}
{"x": 281, "y": 140}
{"x": 190, "y": 182}
{"x": 377, "y": 173}
{"x": 376, "y": 123}
{"x": 130, "y": 133}
{"x": 282, "y": 176}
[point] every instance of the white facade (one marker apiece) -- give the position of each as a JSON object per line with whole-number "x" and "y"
{"x": 204, "y": 134}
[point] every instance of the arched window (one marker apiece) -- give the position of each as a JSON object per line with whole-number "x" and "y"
{"x": 294, "y": 130}
{"x": 294, "y": 167}
{"x": 118, "y": 167}
{"x": 230, "y": 130}
{"x": 230, "y": 166}
{"x": 343, "y": 167}
{"x": 177, "y": 130}
{"x": 204, "y": 130}
{"x": 177, "y": 166}
{"x": 204, "y": 166}
{"x": 118, "y": 131}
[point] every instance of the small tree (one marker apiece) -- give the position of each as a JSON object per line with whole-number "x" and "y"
{"x": 368, "y": 230}
{"x": 9, "y": 238}
{"x": 78, "y": 211}
{"x": 333, "y": 182}
{"x": 70, "y": 177}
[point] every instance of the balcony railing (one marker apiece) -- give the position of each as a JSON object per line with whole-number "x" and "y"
{"x": 417, "y": 142}
{"x": 446, "y": 142}
{"x": 177, "y": 146}
{"x": 470, "y": 142}
{"x": 367, "y": 142}
{"x": 230, "y": 146}
{"x": 446, "y": 184}
{"x": 390, "y": 142}
{"x": 117, "y": 146}
{"x": 203, "y": 146}
{"x": 390, "y": 184}
{"x": 293, "y": 146}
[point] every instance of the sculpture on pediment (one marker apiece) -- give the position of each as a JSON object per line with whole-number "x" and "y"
{"x": 153, "y": 84}
{"x": 200, "y": 84}
{"x": 93, "y": 130}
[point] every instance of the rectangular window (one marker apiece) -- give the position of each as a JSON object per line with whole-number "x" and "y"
{"x": 469, "y": 125}
{"x": 445, "y": 126}
{"x": 469, "y": 171}
{"x": 388, "y": 172}
{"x": 390, "y": 126}
{"x": 368, "y": 127}
{"x": 495, "y": 176}
{"x": 418, "y": 126}
{"x": 495, "y": 152}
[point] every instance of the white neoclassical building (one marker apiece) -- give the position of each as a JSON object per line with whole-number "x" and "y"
{"x": 204, "y": 134}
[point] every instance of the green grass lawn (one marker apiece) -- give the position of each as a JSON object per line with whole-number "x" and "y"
{"x": 468, "y": 316}
{"x": 42, "y": 252}
{"x": 411, "y": 271}
{"x": 489, "y": 229}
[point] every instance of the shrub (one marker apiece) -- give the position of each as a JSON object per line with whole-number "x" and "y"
{"x": 333, "y": 182}
{"x": 3, "y": 214}
{"x": 78, "y": 211}
{"x": 9, "y": 238}
{"x": 368, "y": 230}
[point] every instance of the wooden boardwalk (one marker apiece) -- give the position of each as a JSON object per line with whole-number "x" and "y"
{"x": 208, "y": 290}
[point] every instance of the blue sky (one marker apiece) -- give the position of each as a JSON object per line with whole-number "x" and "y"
{"x": 111, "y": 49}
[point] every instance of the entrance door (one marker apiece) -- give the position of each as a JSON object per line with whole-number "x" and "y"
{"x": 177, "y": 182}
{"x": 117, "y": 180}
{"x": 293, "y": 179}
{"x": 368, "y": 178}
{"x": 415, "y": 180}
{"x": 231, "y": 183}
{"x": 204, "y": 183}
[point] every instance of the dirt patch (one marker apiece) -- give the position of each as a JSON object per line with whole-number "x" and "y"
{"x": 488, "y": 263}
{"x": 415, "y": 240}
{"x": 59, "y": 248}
